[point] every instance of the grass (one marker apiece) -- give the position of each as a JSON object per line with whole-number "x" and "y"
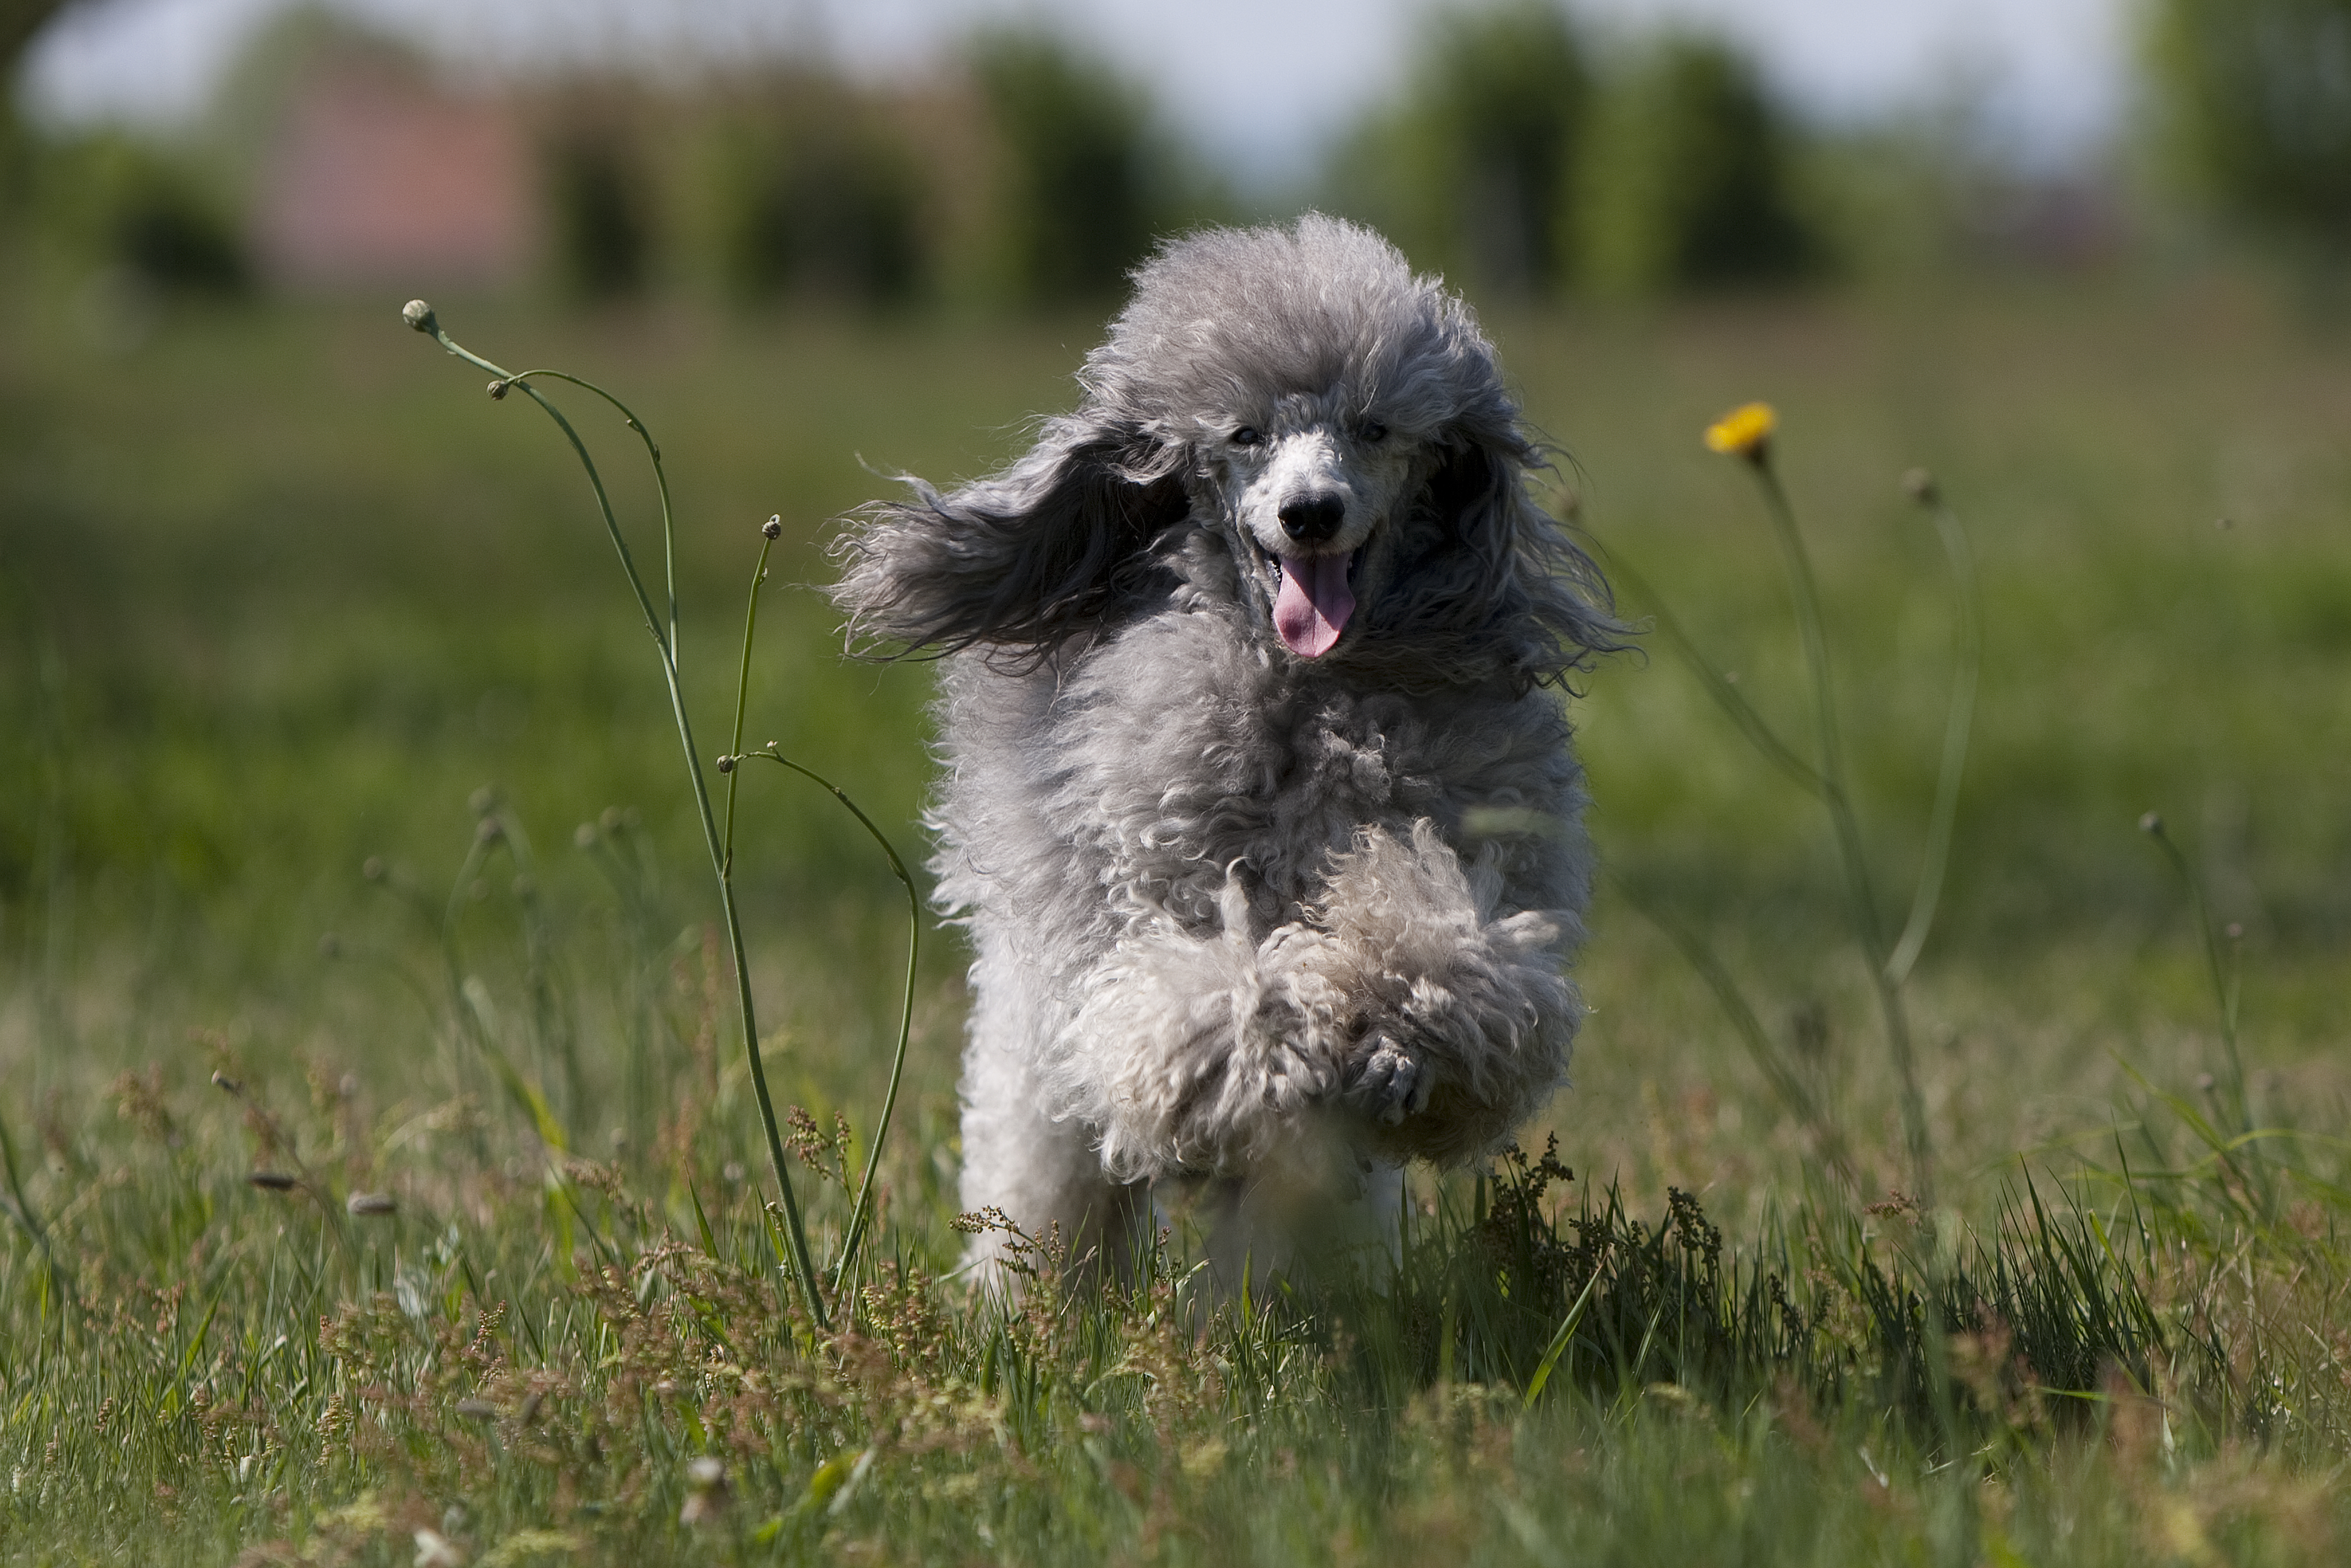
{"x": 293, "y": 611}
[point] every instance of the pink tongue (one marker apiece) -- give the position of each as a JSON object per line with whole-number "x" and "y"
{"x": 1314, "y": 604}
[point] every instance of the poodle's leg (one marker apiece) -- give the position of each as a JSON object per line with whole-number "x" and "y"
{"x": 1463, "y": 1016}
{"x": 1044, "y": 1175}
{"x": 1295, "y": 1217}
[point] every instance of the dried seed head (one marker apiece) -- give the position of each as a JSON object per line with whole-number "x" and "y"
{"x": 774, "y": 526}
{"x": 498, "y": 391}
{"x": 725, "y": 763}
{"x": 372, "y": 1205}
{"x": 2152, "y": 823}
{"x": 418, "y": 314}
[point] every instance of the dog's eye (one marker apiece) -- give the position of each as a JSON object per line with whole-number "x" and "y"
{"x": 1375, "y": 432}
{"x": 1246, "y": 435}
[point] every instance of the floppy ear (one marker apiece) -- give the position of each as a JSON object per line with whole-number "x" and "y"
{"x": 1501, "y": 578}
{"x": 1019, "y": 560}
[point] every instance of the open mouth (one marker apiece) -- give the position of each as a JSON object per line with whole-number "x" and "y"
{"x": 1313, "y": 596}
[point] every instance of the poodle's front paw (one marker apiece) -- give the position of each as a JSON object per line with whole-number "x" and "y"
{"x": 1391, "y": 1084}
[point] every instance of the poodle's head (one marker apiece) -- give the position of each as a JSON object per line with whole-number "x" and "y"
{"x": 1331, "y": 424}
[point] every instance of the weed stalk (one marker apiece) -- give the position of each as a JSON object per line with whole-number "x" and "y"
{"x": 732, "y": 766}
{"x": 420, "y": 316}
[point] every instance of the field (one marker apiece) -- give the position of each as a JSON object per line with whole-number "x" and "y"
{"x": 335, "y": 765}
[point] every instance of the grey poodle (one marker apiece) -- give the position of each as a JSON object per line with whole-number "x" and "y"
{"x": 1266, "y": 832}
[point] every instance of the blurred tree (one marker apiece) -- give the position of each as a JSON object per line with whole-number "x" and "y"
{"x": 20, "y": 20}
{"x": 1687, "y": 182}
{"x": 600, "y": 228}
{"x": 168, "y": 233}
{"x": 1471, "y": 174}
{"x": 115, "y": 200}
{"x": 2255, "y": 101}
{"x": 813, "y": 193}
{"x": 1082, "y": 178}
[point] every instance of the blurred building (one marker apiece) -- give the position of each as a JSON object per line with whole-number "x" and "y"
{"x": 377, "y": 176}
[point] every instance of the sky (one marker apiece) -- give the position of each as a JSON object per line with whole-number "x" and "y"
{"x": 1259, "y": 85}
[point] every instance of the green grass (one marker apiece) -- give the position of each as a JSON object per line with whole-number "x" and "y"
{"x": 282, "y": 595}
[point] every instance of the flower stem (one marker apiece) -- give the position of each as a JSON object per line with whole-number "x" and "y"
{"x": 1836, "y": 795}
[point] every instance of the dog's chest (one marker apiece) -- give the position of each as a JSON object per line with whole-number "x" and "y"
{"x": 1184, "y": 757}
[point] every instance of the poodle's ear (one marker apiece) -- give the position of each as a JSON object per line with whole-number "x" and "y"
{"x": 1511, "y": 565}
{"x": 1020, "y": 560}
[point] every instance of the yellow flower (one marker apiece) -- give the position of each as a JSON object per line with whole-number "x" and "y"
{"x": 1744, "y": 432}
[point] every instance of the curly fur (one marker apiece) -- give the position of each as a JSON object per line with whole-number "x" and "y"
{"x": 1249, "y": 922}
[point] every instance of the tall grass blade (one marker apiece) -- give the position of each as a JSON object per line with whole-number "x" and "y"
{"x": 1559, "y": 1343}
{"x": 2224, "y": 995}
{"x": 1959, "y": 719}
{"x": 1718, "y": 684}
{"x": 1761, "y": 1048}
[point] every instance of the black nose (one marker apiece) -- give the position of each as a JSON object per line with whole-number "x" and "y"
{"x": 1310, "y": 520}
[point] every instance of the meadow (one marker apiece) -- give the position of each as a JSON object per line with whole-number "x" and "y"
{"x": 335, "y": 762}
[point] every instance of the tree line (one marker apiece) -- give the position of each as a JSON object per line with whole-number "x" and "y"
{"x": 1522, "y": 156}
